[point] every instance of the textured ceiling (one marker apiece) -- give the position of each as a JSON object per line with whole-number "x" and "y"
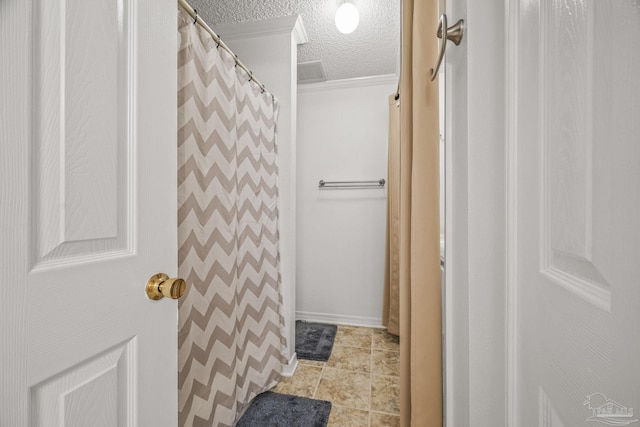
{"x": 372, "y": 49}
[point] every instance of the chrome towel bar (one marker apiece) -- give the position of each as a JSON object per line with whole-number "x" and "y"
{"x": 351, "y": 184}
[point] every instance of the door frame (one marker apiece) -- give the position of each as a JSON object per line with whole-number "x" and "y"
{"x": 479, "y": 219}
{"x": 512, "y": 13}
{"x": 14, "y": 209}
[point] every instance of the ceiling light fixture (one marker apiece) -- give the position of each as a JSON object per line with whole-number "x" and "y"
{"x": 347, "y": 18}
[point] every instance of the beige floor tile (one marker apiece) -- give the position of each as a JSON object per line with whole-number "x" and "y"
{"x": 351, "y": 382}
{"x": 383, "y": 340}
{"x": 384, "y": 420}
{"x": 345, "y": 388}
{"x": 385, "y": 394}
{"x": 350, "y": 358}
{"x": 386, "y": 363}
{"x": 348, "y": 417}
{"x": 306, "y": 362}
{"x": 353, "y": 336}
{"x": 303, "y": 383}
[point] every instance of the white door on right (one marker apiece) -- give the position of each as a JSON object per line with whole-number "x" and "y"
{"x": 575, "y": 225}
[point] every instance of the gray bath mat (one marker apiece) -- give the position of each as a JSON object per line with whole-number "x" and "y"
{"x": 271, "y": 409}
{"x": 314, "y": 341}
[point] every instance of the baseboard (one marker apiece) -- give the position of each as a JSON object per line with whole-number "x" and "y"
{"x": 371, "y": 322}
{"x": 290, "y": 368}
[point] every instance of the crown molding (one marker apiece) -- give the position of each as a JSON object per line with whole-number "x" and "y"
{"x": 349, "y": 83}
{"x": 292, "y": 24}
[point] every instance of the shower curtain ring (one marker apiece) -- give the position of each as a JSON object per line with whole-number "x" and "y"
{"x": 195, "y": 18}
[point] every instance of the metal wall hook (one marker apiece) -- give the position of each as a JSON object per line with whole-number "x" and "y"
{"x": 454, "y": 33}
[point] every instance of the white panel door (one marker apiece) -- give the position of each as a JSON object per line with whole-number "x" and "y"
{"x": 88, "y": 212}
{"x": 576, "y": 228}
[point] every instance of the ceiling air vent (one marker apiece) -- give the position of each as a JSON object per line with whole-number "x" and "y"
{"x": 311, "y": 72}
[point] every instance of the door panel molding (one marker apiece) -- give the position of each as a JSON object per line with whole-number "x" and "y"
{"x": 82, "y": 130}
{"x": 548, "y": 416}
{"x": 566, "y": 141}
{"x": 103, "y": 388}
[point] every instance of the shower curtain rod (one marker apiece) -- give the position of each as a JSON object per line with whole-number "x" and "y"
{"x": 194, "y": 14}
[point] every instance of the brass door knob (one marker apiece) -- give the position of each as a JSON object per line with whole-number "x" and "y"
{"x": 160, "y": 285}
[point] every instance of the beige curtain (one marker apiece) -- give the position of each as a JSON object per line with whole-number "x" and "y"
{"x": 230, "y": 325}
{"x": 391, "y": 301}
{"x": 419, "y": 230}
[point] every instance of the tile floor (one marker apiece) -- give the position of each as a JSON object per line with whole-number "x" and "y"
{"x": 361, "y": 379}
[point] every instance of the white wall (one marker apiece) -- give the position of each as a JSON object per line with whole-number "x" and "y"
{"x": 269, "y": 49}
{"x": 342, "y": 136}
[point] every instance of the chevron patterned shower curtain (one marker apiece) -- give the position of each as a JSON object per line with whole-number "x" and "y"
{"x": 230, "y": 324}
